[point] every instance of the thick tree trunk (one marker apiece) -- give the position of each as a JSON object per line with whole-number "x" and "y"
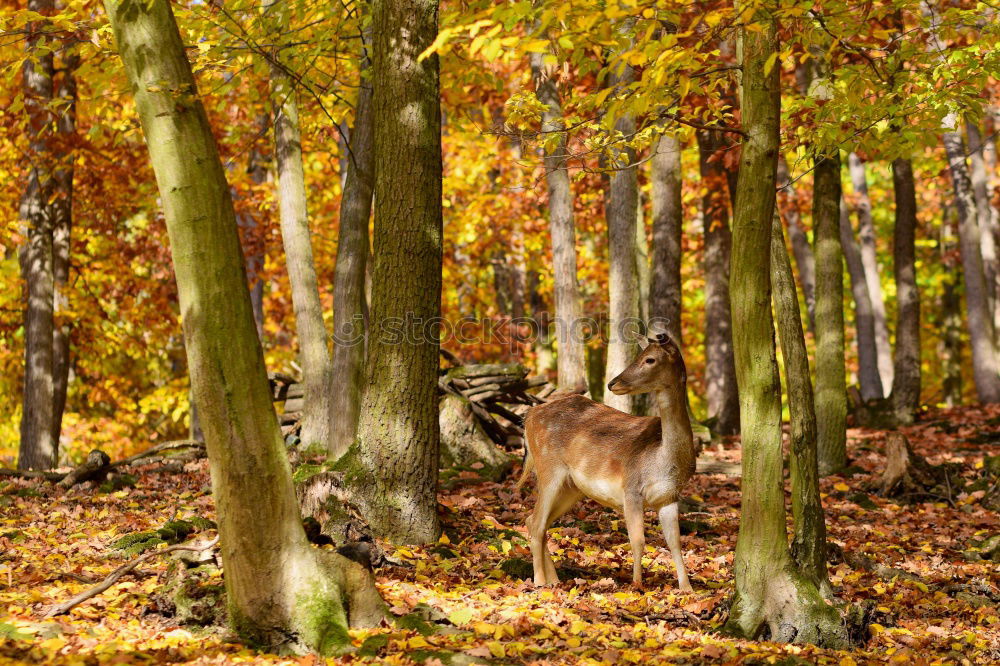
{"x": 985, "y": 369}
{"x": 720, "y": 369}
{"x": 62, "y": 224}
{"x": 350, "y": 307}
{"x": 906, "y": 382}
{"x": 623, "y": 285}
{"x": 393, "y": 469}
{"x": 772, "y": 596}
{"x": 314, "y": 352}
{"x": 831, "y": 386}
{"x": 281, "y": 592}
{"x": 39, "y": 449}
{"x": 804, "y": 259}
{"x": 809, "y": 539}
{"x": 986, "y": 214}
{"x": 864, "y": 319}
{"x": 570, "y": 362}
{"x": 668, "y": 222}
{"x": 869, "y": 259}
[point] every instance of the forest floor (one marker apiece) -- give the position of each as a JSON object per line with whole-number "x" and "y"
{"x": 932, "y": 602}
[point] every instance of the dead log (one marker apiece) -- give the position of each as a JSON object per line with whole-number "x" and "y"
{"x": 712, "y": 466}
{"x": 466, "y": 443}
{"x": 94, "y": 468}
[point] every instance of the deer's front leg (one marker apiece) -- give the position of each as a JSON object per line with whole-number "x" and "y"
{"x": 670, "y": 522}
{"x": 633, "y": 507}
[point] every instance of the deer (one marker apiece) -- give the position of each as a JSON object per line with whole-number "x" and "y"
{"x": 581, "y": 448}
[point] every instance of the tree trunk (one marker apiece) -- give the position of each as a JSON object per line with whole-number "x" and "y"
{"x": 984, "y": 358}
{"x": 831, "y": 386}
{"x": 772, "y": 596}
{"x": 281, "y": 592}
{"x": 314, "y": 352}
{"x": 864, "y": 319}
{"x": 62, "y": 224}
{"x": 350, "y": 307}
{"x": 623, "y": 287}
{"x": 869, "y": 259}
{"x": 804, "y": 259}
{"x": 668, "y": 222}
{"x": 906, "y": 382}
{"x": 720, "y": 369}
{"x": 393, "y": 471}
{"x": 38, "y": 448}
{"x": 951, "y": 313}
{"x": 642, "y": 267}
{"x": 809, "y": 539}
{"x": 987, "y": 215}
{"x": 570, "y": 363}
{"x": 253, "y": 246}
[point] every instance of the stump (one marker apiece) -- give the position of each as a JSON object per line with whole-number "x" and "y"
{"x": 905, "y": 471}
{"x": 464, "y": 442}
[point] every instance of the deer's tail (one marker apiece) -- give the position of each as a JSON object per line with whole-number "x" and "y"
{"x": 527, "y": 466}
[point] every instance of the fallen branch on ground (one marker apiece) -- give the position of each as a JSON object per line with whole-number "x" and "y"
{"x": 117, "y": 574}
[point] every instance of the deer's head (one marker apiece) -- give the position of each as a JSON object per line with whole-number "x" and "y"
{"x": 659, "y": 366}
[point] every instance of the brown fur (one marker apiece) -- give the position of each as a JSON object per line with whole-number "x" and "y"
{"x": 578, "y": 447}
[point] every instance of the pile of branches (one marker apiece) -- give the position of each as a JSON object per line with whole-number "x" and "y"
{"x": 498, "y": 394}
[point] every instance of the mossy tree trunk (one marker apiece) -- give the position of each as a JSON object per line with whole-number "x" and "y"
{"x": 668, "y": 222}
{"x": 39, "y": 447}
{"x": 394, "y": 465}
{"x": 281, "y": 592}
{"x": 350, "y": 306}
{"x": 831, "y": 383}
{"x": 809, "y": 538}
{"x": 906, "y": 376}
{"x": 314, "y": 352}
{"x": 864, "y": 313}
{"x": 570, "y": 361}
{"x": 772, "y": 597}
{"x": 801, "y": 248}
{"x": 720, "y": 369}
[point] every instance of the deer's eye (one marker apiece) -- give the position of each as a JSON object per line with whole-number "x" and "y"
{"x": 650, "y": 361}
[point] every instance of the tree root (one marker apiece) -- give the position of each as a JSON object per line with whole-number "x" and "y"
{"x": 908, "y": 474}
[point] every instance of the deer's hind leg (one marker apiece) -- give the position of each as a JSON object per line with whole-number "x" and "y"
{"x": 556, "y": 494}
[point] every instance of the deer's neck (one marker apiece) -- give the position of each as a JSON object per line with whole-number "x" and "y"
{"x": 675, "y": 424}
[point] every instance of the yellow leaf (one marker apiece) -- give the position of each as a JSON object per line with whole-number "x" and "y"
{"x": 496, "y": 649}
{"x": 842, "y": 487}
{"x": 461, "y": 616}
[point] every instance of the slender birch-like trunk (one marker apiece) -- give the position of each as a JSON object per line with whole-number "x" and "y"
{"x": 864, "y": 319}
{"x": 668, "y": 222}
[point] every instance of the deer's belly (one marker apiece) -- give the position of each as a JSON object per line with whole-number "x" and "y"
{"x": 607, "y": 492}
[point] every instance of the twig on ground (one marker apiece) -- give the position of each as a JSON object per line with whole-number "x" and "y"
{"x": 117, "y": 574}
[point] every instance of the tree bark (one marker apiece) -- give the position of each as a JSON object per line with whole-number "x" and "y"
{"x": 906, "y": 382}
{"x": 987, "y": 215}
{"x": 253, "y": 246}
{"x": 864, "y": 319}
{"x": 720, "y": 369}
{"x": 570, "y": 361}
{"x": 39, "y": 449}
{"x": 804, "y": 259}
{"x": 831, "y": 386}
{"x": 643, "y": 272}
{"x": 985, "y": 369}
{"x": 623, "y": 286}
{"x": 668, "y": 223}
{"x": 350, "y": 307}
{"x": 314, "y": 352}
{"x": 62, "y": 224}
{"x": 869, "y": 259}
{"x": 281, "y": 592}
{"x": 393, "y": 470}
{"x": 951, "y": 313}
{"x": 772, "y": 595}
{"x": 809, "y": 538}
